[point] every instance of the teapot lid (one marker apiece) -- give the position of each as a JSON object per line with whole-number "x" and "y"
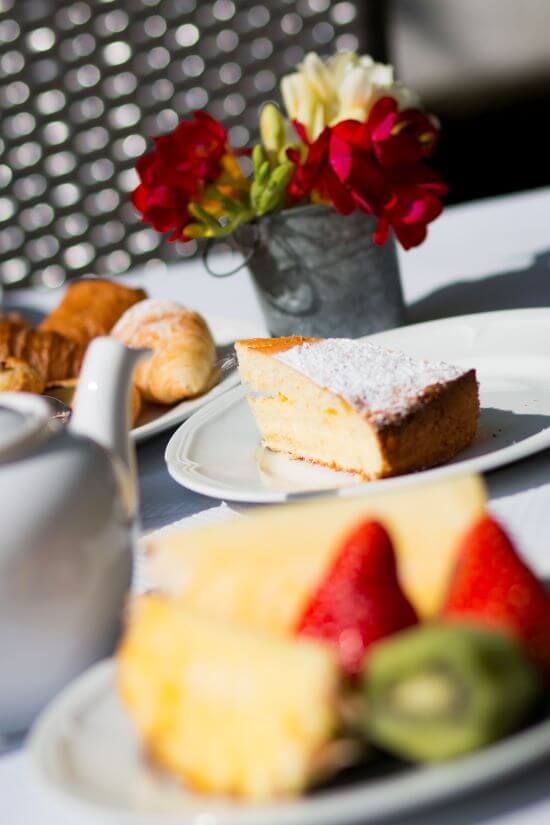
{"x": 22, "y": 417}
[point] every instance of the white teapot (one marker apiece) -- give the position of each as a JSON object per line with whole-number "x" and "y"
{"x": 68, "y": 505}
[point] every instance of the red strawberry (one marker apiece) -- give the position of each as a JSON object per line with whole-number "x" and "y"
{"x": 492, "y": 585}
{"x": 359, "y": 600}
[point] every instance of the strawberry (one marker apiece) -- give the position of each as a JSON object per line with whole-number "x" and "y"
{"x": 493, "y": 586}
{"x": 359, "y": 599}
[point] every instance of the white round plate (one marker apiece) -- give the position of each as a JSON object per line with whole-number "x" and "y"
{"x": 157, "y": 418}
{"x": 217, "y": 452}
{"x": 85, "y": 752}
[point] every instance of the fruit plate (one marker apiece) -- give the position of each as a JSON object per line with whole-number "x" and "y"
{"x": 86, "y": 756}
{"x": 218, "y": 453}
{"x": 155, "y": 418}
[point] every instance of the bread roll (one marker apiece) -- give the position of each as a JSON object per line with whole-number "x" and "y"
{"x": 90, "y": 307}
{"x": 184, "y": 354}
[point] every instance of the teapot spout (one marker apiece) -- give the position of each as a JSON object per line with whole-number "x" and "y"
{"x": 102, "y": 400}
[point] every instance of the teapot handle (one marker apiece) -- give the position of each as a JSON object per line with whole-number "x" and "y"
{"x": 102, "y": 400}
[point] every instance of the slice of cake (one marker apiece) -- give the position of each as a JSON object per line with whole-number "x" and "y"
{"x": 227, "y": 709}
{"x": 358, "y": 407}
{"x": 236, "y": 571}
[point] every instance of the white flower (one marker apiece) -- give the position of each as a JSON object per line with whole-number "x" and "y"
{"x": 302, "y": 103}
{"x": 317, "y": 75}
{"x": 341, "y": 62}
{"x": 345, "y": 86}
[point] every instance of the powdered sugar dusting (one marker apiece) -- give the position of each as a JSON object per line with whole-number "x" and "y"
{"x": 384, "y": 383}
{"x": 148, "y": 311}
{"x": 156, "y": 315}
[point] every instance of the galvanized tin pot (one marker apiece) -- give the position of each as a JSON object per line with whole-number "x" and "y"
{"x": 319, "y": 273}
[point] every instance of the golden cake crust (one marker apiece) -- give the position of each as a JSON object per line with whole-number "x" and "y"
{"x": 272, "y": 346}
{"x": 442, "y": 424}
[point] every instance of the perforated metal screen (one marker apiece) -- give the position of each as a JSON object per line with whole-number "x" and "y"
{"x": 84, "y": 84}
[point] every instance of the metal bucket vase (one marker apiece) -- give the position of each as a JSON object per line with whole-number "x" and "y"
{"x": 319, "y": 273}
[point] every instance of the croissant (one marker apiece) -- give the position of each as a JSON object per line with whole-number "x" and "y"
{"x": 90, "y": 307}
{"x": 14, "y": 318}
{"x": 51, "y": 355}
{"x": 18, "y": 376}
{"x": 184, "y": 354}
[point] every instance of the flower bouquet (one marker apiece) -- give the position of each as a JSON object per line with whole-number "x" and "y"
{"x": 333, "y": 180}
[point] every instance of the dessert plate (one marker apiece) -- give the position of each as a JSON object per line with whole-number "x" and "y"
{"x": 86, "y": 754}
{"x": 157, "y": 418}
{"x": 218, "y": 453}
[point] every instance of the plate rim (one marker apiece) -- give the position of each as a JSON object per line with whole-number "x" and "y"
{"x": 521, "y": 313}
{"x": 173, "y": 416}
{"x": 360, "y": 803}
{"x": 187, "y": 431}
{"x": 483, "y": 463}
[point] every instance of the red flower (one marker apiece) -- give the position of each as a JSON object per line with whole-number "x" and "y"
{"x": 176, "y": 171}
{"x": 414, "y": 202}
{"x": 377, "y": 167}
{"x": 400, "y": 138}
{"x": 336, "y": 171}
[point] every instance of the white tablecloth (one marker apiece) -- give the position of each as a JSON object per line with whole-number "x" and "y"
{"x": 493, "y": 254}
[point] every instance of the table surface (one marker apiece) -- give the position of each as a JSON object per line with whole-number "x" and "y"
{"x": 487, "y": 255}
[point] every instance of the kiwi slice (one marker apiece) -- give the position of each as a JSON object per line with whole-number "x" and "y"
{"x": 441, "y": 690}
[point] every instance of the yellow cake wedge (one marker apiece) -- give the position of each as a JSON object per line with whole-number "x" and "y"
{"x": 228, "y": 710}
{"x": 261, "y": 569}
{"x": 355, "y": 406}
